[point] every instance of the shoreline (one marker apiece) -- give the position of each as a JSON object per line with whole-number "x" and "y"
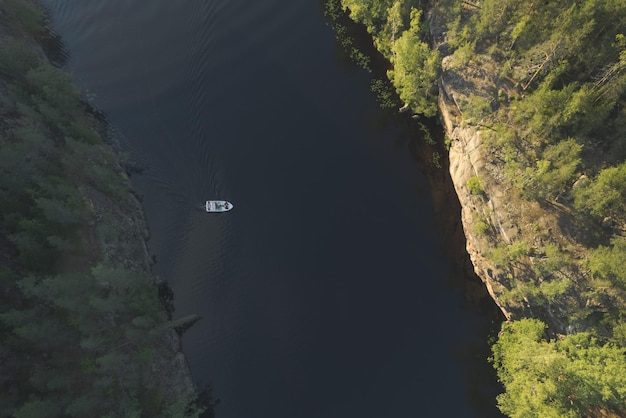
{"x": 446, "y": 203}
{"x": 113, "y": 231}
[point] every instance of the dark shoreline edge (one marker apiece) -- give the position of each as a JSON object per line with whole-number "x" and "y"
{"x": 446, "y": 204}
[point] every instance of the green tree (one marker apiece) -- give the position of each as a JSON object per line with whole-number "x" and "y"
{"x": 562, "y": 378}
{"x": 75, "y": 340}
{"x": 372, "y": 13}
{"x": 415, "y": 69}
{"x": 605, "y": 195}
{"x": 494, "y": 17}
{"x": 554, "y": 172}
{"x": 475, "y": 185}
{"x": 609, "y": 263}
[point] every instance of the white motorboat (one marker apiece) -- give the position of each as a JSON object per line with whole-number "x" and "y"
{"x": 218, "y": 206}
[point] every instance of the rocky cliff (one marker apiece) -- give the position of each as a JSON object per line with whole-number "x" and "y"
{"x": 506, "y": 235}
{"x": 467, "y": 160}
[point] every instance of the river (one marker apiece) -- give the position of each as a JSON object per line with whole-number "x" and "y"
{"x": 326, "y": 291}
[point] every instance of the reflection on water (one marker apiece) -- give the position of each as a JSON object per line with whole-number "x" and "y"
{"x": 325, "y": 292}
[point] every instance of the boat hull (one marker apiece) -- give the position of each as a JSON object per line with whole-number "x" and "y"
{"x": 218, "y": 206}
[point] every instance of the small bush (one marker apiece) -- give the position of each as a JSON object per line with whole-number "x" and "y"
{"x": 475, "y": 186}
{"x": 475, "y": 107}
{"x": 481, "y": 227}
{"x": 517, "y": 250}
{"x": 462, "y": 56}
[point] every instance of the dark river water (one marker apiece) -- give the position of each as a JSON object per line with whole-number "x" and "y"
{"x": 326, "y": 292}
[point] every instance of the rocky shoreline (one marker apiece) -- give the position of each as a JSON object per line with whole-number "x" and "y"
{"x": 467, "y": 160}
{"x": 130, "y": 250}
{"x": 117, "y": 233}
{"x": 494, "y": 217}
{"x": 126, "y": 245}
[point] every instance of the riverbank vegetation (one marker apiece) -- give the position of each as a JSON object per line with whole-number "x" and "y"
{"x": 82, "y": 329}
{"x": 572, "y": 376}
{"x": 545, "y": 84}
{"x": 398, "y": 33}
{"x": 553, "y": 108}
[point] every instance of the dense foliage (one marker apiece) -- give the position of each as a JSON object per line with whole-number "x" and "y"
{"x": 573, "y": 376}
{"x": 77, "y": 335}
{"x": 395, "y": 27}
{"x": 547, "y": 83}
{"x": 565, "y": 114}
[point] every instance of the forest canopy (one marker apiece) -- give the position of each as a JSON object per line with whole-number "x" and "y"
{"x": 79, "y": 333}
{"x": 567, "y": 377}
{"x": 397, "y": 30}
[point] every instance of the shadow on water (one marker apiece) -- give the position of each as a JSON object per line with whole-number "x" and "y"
{"x": 431, "y": 159}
